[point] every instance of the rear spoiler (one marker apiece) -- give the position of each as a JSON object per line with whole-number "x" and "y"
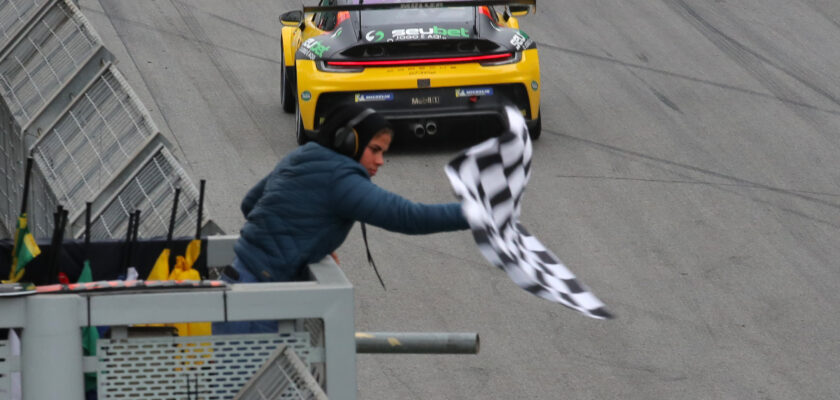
{"x": 419, "y": 4}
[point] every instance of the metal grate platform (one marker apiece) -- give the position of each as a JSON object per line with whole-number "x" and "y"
{"x": 5, "y": 370}
{"x": 283, "y": 376}
{"x": 209, "y": 367}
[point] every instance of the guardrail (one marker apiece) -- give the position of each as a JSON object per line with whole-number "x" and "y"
{"x": 319, "y": 326}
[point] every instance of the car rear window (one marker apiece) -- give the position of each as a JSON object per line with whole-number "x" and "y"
{"x": 414, "y": 15}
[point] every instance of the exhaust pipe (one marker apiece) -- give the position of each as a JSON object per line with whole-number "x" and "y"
{"x": 431, "y": 127}
{"x": 418, "y": 130}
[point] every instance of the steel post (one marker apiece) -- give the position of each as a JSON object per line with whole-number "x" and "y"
{"x": 417, "y": 342}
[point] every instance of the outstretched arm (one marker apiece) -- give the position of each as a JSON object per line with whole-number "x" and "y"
{"x": 356, "y": 197}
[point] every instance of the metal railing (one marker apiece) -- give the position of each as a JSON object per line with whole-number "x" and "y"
{"x": 51, "y": 363}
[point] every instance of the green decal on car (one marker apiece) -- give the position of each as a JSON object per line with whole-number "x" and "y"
{"x": 535, "y": 85}
{"x": 315, "y": 47}
{"x": 375, "y": 36}
{"x": 306, "y": 96}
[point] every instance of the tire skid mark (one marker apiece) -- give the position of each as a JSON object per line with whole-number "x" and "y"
{"x": 703, "y": 171}
{"x": 111, "y": 13}
{"x": 799, "y": 103}
{"x": 217, "y": 60}
{"x": 150, "y": 28}
{"x": 755, "y": 64}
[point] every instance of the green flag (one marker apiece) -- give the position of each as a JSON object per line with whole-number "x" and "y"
{"x": 24, "y": 251}
{"x": 89, "y": 333}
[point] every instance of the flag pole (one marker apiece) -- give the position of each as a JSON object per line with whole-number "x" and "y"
{"x": 26, "y": 176}
{"x": 172, "y": 220}
{"x": 127, "y": 244}
{"x": 172, "y": 217}
{"x": 60, "y": 243}
{"x": 59, "y": 218}
{"x": 198, "y": 221}
{"x": 133, "y": 241}
{"x": 87, "y": 229}
{"x": 200, "y": 208}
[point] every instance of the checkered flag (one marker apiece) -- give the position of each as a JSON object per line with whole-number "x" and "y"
{"x": 489, "y": 179}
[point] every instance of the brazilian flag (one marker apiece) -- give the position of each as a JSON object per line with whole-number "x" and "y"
{"x": 24, "y": 251}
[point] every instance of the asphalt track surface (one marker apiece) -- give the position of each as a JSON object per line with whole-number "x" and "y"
{"x": 688, "y": 172}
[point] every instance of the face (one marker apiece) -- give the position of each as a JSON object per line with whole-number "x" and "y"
{"x": 374, "y": 155}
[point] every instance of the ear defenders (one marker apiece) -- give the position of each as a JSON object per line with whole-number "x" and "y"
{"x": 346, "y": 139}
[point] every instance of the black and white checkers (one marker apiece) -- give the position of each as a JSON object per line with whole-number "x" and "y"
{"x": 489, "y": 179}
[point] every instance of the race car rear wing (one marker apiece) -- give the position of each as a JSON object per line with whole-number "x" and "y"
{"x": 419, "y": 4}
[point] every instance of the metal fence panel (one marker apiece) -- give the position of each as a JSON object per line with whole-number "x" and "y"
{"x": 151, "y": 190}
{"x": 100, "y": 133}
{"x": 99, "y": 146}
{"x": 14, "y": 14}
{"x": 45, "y": 59}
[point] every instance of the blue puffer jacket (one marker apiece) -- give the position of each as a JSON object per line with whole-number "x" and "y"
{"x": 304, "y": 209}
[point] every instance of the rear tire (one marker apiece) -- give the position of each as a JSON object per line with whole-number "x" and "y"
{"x": 535, "y": 128}
{"x": 287, "y": 95}
{"x": 300, "y": 133}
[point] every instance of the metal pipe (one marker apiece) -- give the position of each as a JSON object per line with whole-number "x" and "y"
{"x": 417, "y": 342}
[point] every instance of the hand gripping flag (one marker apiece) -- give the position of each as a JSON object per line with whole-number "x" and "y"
{"x": 489, "y": 179}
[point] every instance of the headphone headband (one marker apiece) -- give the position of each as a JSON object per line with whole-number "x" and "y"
{"x": 359, "y": 118}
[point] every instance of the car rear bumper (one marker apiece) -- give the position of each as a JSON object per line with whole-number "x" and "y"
{"x": 406, "y": 95}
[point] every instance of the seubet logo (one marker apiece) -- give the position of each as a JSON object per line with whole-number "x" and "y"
{"x": 435, "y": 30}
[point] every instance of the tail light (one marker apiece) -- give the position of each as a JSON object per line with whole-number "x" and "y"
{"x": 487, "y": 59}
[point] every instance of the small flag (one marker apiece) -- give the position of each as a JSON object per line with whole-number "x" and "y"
{"x": 24, "y": 251}
{"x": 89, "y": 333}
{"x": 182, "y": 271}
{"x": 160, "y": 271}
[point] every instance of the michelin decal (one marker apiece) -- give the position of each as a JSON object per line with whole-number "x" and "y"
{"x": 366, "y": 97}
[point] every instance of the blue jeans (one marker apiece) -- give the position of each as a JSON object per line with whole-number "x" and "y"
{"x": 226, "y": 328}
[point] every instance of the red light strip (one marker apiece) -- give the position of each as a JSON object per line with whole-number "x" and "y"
{"x": 420, "y": 61}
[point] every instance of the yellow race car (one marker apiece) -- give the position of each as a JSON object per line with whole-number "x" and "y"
{"x": 424, "y": 65}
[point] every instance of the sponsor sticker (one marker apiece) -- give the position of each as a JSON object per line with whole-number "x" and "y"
{"x": 519, "y": 41}
{"x": 425, "y": 100}
{"x": 365, "y": 97}
{"x": 535, "y": 85}
{"x": 306, "y": 96}
{"x": 433, "y": 32}
{"x": 375, "y": 36}
{"x": 470, "y": 92}
{"x": 313, "y": 48}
